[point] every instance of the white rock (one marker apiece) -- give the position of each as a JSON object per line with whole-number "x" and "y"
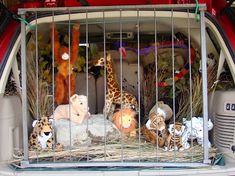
{"x": 96, "y": 128}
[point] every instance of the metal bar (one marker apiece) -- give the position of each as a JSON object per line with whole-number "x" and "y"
{"x": 37, "y": 74}
{"x": 69, "y": 92}
{"x": 173, "y": 72}
{"x": 204, "y": 87}
{"x": 36, "y": 57}
{"x": 87, "y": 74}
{"x": 115, "y": 8}
{"x": 87, "y": 53}
{"x": 53, "y": 77}
{"x": 105, "y": 86}
{"x": 117, "y": 164}
{"x": 110, "y": 22}
{"x": 138, "y": 58}
{"x": 87, "y": 59}
{"x": 24, "y": 91}
{"x": 190, "y": 77}
{"x": 120, "y": 24}
{"x": 156, "y": 71}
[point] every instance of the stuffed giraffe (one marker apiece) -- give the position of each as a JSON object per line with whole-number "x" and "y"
{"x": 114, "y": 95}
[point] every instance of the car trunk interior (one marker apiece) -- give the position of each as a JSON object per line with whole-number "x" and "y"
{"x": 157, "y": 57}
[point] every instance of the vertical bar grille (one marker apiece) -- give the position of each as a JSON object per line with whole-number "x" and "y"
{"x": 143, "y": 45}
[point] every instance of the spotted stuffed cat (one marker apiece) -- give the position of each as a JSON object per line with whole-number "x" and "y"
{"x": 41, "y": 137}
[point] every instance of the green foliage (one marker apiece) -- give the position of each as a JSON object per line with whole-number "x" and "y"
{"x": 43, "y": 47}
{"x": 101, "y": 72}
{"x": 80, "y": 64}
{"x": 93, "y": 50}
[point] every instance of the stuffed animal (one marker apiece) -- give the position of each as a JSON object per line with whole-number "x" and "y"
{"x": 41, "y": 137}
{"x": 125, "y": 121}
{"x": 164, "y": 107}
{"x": 174, "y": 139}
{"x": 155, "y": 130}
{"x": 64, "y": 62}
{"x": 194, "y": 130}
{"x": 210, "y": 62}
{"x": 78, "y": 107}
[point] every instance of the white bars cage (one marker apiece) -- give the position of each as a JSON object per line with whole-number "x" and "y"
{"x": 114, "y": 24}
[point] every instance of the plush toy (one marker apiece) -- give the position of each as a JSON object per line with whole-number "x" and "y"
{"x": 164, "y": 107}
{"x": 194, "y": 130}
{"x": 41, "y": 137}
{"x": 155, "y": 130}
{"x": 125, "y": 121}
{"x": 78, "y": 107}
{"x": 174, "y": 139}
{"x": 210, "y": 62}
{"x": 65, "y": 63}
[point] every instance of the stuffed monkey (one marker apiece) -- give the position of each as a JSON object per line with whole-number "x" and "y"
{"x": 65, "y": 64}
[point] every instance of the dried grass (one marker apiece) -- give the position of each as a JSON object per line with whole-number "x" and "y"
{"x": 184, "y": 102}
{"x": 128, "y": 151}
{"x": 34, "y": 89}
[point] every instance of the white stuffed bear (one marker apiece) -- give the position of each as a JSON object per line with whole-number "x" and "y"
{"x": 78, "y": 109}
{"x": 194, "y": 130}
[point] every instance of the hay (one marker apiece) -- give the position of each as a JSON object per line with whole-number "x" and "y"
{"x": 38, "y": 93}
{"x": 185, "y": 97}
{"x": 126, "y": 151}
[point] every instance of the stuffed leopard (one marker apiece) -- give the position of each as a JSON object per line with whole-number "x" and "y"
{"x": 41, "y": 137}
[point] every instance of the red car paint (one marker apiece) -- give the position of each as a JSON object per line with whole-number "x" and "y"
{"x": 229, "y": 29}
{"x": 6, "y": 37}
{"x": 119, "y": 2}
{"x": 225, "y": 22}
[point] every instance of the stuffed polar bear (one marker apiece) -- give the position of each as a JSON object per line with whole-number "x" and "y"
{"x": 78, "y": 107}
{"x": 194, "y": 130}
